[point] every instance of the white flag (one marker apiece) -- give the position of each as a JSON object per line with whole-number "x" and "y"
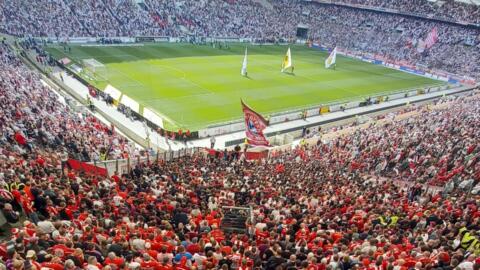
{"x": 287, "y": 61}
{"x": 244, "y": 66}
{"x": 331, "y": 58}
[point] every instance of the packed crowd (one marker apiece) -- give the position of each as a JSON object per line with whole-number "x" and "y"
{"x": 357, "y": 201}
{"x": 95, "y": 17}
{"x": 366, "y": 200}
{"x": 46, "y": 18}
{"x": 335, "y": 26}
{"x": 457, "y": 11}
{"x": 33, "y": 120}
{"x": 134, "y": 20}
{"x": 237, "y": 19}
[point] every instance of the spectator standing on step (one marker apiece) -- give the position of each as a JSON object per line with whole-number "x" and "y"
{"x": 212, "y": 142}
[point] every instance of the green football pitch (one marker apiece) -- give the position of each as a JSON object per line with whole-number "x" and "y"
{"x": 194, "y": 86}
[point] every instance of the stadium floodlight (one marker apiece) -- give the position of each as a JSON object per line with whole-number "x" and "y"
{"x": 151, "y": 116}
{"x": 130, "y": 103}
{"x": 113, "y": 92}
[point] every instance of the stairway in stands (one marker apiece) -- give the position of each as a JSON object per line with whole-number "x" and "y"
{"x": 264, "y": 3}
{"x": 113, "y": 14}
{"x": 142, "y": 5}
{"x": 235, "y": 219}
{"x": 75, "y": 16}
{"x": 153, "y": 14}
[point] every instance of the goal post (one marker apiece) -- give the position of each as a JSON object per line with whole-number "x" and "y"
{"x": 94, "y": 69}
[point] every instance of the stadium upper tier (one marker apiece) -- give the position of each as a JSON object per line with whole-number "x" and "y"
{"x": 387, "y": 34}
{"x": 443, "y": 10}
{"x": 208, "y": 18}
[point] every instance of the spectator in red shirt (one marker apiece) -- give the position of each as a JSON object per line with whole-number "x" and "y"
{"x": 115, "y": 260}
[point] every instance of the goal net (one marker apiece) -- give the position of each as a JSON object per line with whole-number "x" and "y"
{"x": 94, "y": 70}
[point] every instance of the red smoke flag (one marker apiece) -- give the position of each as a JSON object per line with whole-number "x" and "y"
{"x": 254, "y": 126}
{"x": 432, "y": 38}
{"x": 429, "y": 41}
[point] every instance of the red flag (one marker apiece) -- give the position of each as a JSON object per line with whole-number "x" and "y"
{"x": 432, "y": 38}
{"x": 254, "y": 126}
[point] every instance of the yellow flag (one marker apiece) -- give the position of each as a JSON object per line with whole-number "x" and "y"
{"x": 287, "y": 61}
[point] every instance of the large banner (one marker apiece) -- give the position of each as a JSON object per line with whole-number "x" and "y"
{"x": 86, "y": 168}
{"x": 254, "y": 126}
{"x": 256, "y": 155}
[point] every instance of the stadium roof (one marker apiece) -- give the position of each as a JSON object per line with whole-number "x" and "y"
{"x": 473, "y": 2}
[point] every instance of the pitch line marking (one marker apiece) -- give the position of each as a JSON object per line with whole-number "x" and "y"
{"x": 180, "y": 97}
{"x": 199, "y": 86}
{"x": 110, "y": 56}
{"x": 133, "y": 79}
{"x": 176, "y": 69}
{"x": 313, "y": 80}
{"x": 133, "y": 84}
{"x": 138, "y": 83}
{"x": 159, "y": 113}
{"x": 184, "y": 77}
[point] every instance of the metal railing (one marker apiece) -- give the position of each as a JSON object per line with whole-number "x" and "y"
{"x": 123, "y": 166}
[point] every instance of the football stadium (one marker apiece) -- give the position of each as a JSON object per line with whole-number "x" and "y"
{"x": 240, "y": 134}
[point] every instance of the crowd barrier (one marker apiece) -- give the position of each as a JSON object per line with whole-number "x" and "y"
{"x": 87, "y": 168}
{"x": 123, "y": 166}
{"x": 140, "y": 39}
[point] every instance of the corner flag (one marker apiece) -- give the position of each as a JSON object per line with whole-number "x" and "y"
{"x": 287, "y": 61}
{"x": 331, "y": 58}
{"x": 244, "y": 66}
{"x": 254, "y": 126}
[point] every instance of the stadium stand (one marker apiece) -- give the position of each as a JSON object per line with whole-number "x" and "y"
{"x": 455, "y": 11}
{"x": 33, "y": 118}
{"x": 47, "y": 18}
{"x": 401, "y": 194}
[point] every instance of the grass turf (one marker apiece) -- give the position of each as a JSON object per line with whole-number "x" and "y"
{"x": 194, "y": 86}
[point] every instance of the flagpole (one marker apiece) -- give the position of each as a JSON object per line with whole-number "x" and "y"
{"x": 244, "y": 64}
